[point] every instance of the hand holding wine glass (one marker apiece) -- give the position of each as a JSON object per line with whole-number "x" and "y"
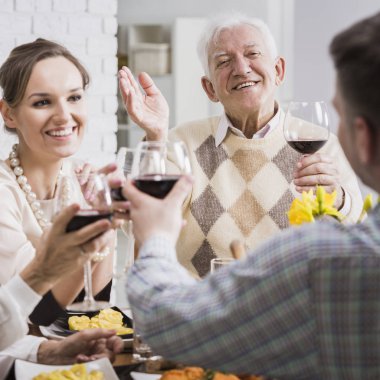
{"x": 157, "y": 166}
{"x": 307, "y": 126}
{"x": 69, "y": 191}
{"x": 307, "y": 129}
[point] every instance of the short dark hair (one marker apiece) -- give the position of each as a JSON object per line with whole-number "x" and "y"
{"x": 356, "y": 56}
{"x": 16, "y": 70}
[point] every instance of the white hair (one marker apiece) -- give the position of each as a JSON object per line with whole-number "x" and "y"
{"x": 227, "y": 21}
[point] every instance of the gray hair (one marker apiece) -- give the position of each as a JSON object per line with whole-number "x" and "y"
{"x": 227, "y": 21}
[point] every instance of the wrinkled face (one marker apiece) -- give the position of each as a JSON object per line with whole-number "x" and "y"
{"x": 243, "y": 75}
{"x": 51, "y": 117}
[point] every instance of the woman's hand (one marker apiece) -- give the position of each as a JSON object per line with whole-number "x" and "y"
{"x": 82, "y": 346}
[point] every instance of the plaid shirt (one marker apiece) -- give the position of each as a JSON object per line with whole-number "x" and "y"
{"x": 305, "y": 305}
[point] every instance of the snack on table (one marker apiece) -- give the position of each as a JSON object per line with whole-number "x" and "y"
{"x": 107, "y": 319}
{"x": 76, "y": 372}
{"x": 197, "y": 373}
{"x": 187, "y": 373}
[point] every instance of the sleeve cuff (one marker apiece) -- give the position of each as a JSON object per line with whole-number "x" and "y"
{"x": 25, "y": 297}
{"x": 25, "y": 348}
{"x": 158, "y": 246}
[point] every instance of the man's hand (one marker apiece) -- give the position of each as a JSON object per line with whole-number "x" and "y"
{"x": 152, "y": 216}
{"x": 60, "y": 253}
{"x": 148, "y": 109}
{"x": 80, "y": 347}
{"x": 318, "y": 169}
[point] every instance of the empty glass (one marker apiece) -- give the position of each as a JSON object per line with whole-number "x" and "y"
{"x": 219, "y": 262}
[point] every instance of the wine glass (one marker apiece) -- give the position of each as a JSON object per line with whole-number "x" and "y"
{"x": 96, "y": 208}
{"x": 157, "y": 166}
{"x": 307, "y": 126}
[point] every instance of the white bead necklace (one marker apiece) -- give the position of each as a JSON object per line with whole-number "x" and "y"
{"x": 31, "y": 197}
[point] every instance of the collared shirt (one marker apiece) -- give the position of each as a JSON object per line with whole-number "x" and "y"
{"x": 225, "y": 125}
{"x": 283, "y": 312}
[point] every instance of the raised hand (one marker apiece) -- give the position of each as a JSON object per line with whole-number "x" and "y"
{"x": 318, "y": 169}
{"x": 147, "y": 107}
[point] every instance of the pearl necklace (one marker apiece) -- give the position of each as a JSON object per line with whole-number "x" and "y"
{"x": 31, "y": 197}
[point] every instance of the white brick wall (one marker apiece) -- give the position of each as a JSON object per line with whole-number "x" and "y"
{"x": 88, "y": 29}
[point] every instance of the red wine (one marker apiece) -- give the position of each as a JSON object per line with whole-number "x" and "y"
{"x": 156, "y": 185}
{"x": 85, "y": 217}
{"x": 307, "y": 146}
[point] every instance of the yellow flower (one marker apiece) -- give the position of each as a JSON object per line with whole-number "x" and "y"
{"x": 367, "y": 205}
{"x": 306, "y": 209}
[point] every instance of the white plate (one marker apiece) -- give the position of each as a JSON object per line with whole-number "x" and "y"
{"x": 26, "y": 370}
{"x": 144, "y": 376}
{"x": 48, "y": 332}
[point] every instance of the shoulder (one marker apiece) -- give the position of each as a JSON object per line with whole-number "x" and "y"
{"x": 9, "y": 188}
{"x": 195, "y": 130}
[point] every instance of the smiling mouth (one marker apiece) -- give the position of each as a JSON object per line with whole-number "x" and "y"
{"x": 245, "y": 85}
{"x": 61, "y": 132}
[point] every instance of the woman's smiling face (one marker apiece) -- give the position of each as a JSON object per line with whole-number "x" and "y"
{"x": 52, "y": 115}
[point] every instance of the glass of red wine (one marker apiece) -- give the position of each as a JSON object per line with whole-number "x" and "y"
{"x": 307, "y": 126}
{"x": 157, "y": 166}
{"x": 98, "y": 205}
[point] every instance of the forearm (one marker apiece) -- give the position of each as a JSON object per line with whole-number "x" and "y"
{"x": 68, "y": 288}
{"x": 17, "y": 301}
{"x": 39, "y": 281}
{"x": 102, "y": 274}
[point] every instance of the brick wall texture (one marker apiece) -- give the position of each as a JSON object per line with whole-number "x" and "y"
{"x": 88, "y": 29}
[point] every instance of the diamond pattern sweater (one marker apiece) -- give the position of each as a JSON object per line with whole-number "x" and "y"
{"x": 242, "y": 190}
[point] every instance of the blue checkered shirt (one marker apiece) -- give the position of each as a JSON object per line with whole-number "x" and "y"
{"x": 305, "y": 305}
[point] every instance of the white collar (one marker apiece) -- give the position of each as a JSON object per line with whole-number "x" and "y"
{"x": 225, "y": 124}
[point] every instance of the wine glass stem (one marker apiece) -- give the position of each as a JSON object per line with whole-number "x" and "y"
{"x": 88, "y": 296}
{"x": 130, "y": 246}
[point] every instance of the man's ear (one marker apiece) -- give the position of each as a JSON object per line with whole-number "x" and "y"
{"x": 280, "y": 70}
{"x": 7, "y": 114}
{"x": 209, "y": 89}
{"x": 364, "y": 141}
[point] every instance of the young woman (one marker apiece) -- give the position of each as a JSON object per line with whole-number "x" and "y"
{"x": 44, "y": 104}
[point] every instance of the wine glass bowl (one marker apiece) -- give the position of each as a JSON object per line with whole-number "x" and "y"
{"x": 307, "y": 126}
{"x": 157, "y": 166}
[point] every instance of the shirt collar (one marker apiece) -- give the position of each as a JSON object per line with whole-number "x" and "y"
{"x": 225, "y": 125}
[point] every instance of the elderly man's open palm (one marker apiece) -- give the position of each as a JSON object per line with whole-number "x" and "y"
{"x": 147, "y": 107}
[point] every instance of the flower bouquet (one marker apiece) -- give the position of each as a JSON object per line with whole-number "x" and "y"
{"x": 309, "y": 207}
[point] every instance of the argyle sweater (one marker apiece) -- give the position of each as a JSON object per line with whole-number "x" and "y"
{"x": 242, "y": 190}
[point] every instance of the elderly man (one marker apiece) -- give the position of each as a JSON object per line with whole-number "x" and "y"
{"x": 58, "y": 255}
{"x": 245, "y": 173}
{"x": 306, "y": 304}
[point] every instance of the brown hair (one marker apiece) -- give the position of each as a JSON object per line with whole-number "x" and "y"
{"x": 356, "y": 55}
{"x": 16, "y": 70}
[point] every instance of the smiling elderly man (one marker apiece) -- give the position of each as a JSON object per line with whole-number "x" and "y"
{"x": 246, "y": 175}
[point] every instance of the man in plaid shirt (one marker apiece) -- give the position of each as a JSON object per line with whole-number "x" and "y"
{"x": 305, "y": 305}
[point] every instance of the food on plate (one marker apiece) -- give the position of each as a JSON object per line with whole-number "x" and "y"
{"x": 76, "y": 372}
{"x": 107, "y": 319}
{"x": 197, "y": 373}
{"x": 187, "y": 373}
